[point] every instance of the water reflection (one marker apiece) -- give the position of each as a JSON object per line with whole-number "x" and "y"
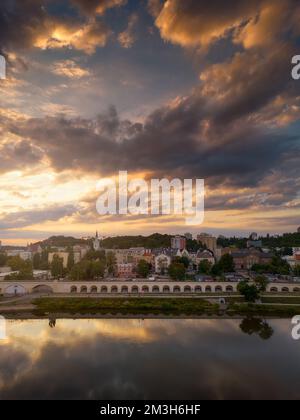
{"x": 257, "y": 326}
{"x": 151, "y": 359}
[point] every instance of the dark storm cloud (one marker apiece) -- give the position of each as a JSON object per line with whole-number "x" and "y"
{"x": 28, "y": 23}
{"x": 26, "y": 218}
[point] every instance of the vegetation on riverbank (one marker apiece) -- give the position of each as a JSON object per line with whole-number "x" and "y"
{"x": 125, "y": 306}
{"x": 250, "y": 309}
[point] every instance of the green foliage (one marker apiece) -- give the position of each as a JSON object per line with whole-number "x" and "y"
{"x": 111, "y": 262}
{"x": 183, "y": 260}
{"x": 192, "y": 245}
{"x": 57, "y": 268}
{"x": 92, "y": 255}
{"x": 71, "y": 262}
{"x": 124, "y": 242}
{"x": 87, "y": 270}
{"x": 277, "y": 266}
{"x": 261, "y": 282}
{"x": 204, "y": 267}
{"x": 177, "y": 271}
{"x": 249, "y": 291}
{"x": 3, "y": 259}
{"x": 296, "y": 270}
{"x": 143, "y": 268}
{"x": 25, "y": 269}
{"x": 226, "y": 264}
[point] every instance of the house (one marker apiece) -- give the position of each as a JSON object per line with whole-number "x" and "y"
{"x": 125, "y": 270}
{"x": 205, "y": 256}
{"x": 245, "y": 259}
{"x": 162, "y": 262}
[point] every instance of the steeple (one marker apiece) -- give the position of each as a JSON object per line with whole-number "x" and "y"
{"x": 96, "y": 234}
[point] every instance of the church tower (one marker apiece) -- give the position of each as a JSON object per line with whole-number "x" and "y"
{"x": 96, "y": 242}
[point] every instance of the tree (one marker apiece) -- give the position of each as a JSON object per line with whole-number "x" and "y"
{"x": 3, "y": 259}
{"x": 185, "y": 261}
{"x": 79, "y": 271}
{"x": 204, "y": 267}
{"x": 262, "y": 282}
{"x": 143, "y": 268}
{"x": 71, "y": 261}
{"x": 87, "y": 270}
{"x": 57, "y": 267}
{"x": 97, "y": 269}
{"x": 36, "y": 261}
{"x": 250, "y": 292}
{"x": 177, "y": 271}
{"x": 226, "y": 264}
{"x": 297, "y": 270}
{"x": 111, "y": 262}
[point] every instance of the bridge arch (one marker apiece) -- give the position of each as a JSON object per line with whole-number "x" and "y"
{"x": 114, "y": 289}
{"x": 104, "y": 289}
{"x": 208, "y": 289}
{"x": 274, "y": 289}
{"x": 229, "y": 289}
{"x": 198, "y": 289}
{"x": 218, "y": 289}
{"x": 94, "y": 289}
{"x": 285, "y": 289}
{"x": 166, "y": 289}
{"x": 124, "y": 289}
{"x": 83, "y": 289}
{"x": 145, "y": 289}
{"x": 15, "y": 289}
{"x": 73, "y": 289}
{"x": 42, "y": 288}
{"x": 187, "y": 289}
{"x": 176, "y": 289}
{"x": 296, "y": 289}
{"x": 135, "y": 290}
{"x": 155, "y": 289}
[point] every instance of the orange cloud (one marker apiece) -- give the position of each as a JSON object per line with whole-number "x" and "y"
{"x": 85, "y": 38}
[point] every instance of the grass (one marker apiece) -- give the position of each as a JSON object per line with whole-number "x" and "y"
{"x": 263, "y": 310}
{"x": 282, "y": 299}
{"x": 125, "y": 306}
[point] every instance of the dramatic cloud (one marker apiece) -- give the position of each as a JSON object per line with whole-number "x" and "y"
{"x": 199, "y": 24}
{"x": 31, "y": 217}
{"x": 28, "y": 24}
{"x": 92, "y": 7}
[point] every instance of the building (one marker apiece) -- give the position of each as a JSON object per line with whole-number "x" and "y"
{"x": 204, "y": 256}
{"x": 208, "y": 241}
{"x": 24, "y": 255}
{"x": 245, "y": 259}
{"x": 61, "y": 254}
{"x": 34, "y": 248}
{"x": 96, "y": 243}
{"x": 254, "y": 244}
{"x": 125, "y": 270}
{"x": 298, "y": 230}
{"x": 178, "y": 242}
{"x": 162, "y": 262}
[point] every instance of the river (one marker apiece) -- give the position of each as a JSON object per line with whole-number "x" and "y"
{"x": 149, "y": 359}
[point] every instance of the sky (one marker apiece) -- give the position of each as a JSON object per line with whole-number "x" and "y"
{"x": 175, "y": 89}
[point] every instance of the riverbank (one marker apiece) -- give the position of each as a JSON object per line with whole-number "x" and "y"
{"x": 148, "y": 307}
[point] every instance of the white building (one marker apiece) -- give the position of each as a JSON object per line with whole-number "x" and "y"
{"x": 162, "y": 263}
